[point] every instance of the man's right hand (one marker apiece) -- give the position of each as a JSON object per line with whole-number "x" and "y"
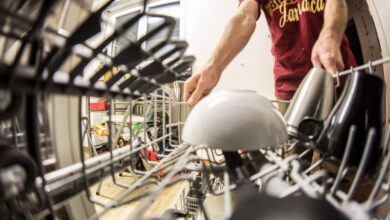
{"x": 200, "y": 85}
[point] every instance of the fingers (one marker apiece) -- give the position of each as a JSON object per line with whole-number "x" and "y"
{"x": 340, "y": 64}
{"x": 326, "y": 54}
{"x": 190, "y": 86}
{"x": 196, "y": 96}
{"x": 333, "y": 63}
{"x": 329, "y": 65}
{"x": 199, "y": 86}
{"x": 316, "y": 61}
{"x": 329, "y": 61}
{"x": 194, "y": 90}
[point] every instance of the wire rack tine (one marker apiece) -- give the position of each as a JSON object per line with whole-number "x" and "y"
{"x": 66, "y": 50}
{"x": 150, "y": 182}
{"x": 310, "y": 180}
{"x": 83, "y": 166}
{"x": 365, "y": 66}
{"x": 370, "y": 68}
{"x": 129, "y": 111}
{"x": 362, "y": 166}
{"x": 164, "y": 120}
{"x": 279, "y": 163}
{"x": 344, "y": 161}
{"x": 135, "y": 185}
{"x": 156, "y": 48}
{"x": 111, "y": 147}
{"x": 99, "y": 49}
{"x": 295, "y": 166}
{"x": 211, "y": 159}
{"x": 155, "y": 109}
{"x": 337, "y": 76}
{"x": 305, "y": 152}
{"x": 383, "y": 172}
{"x": 177, "y": 168}
{"x": 304, "y": 181}
{"x": 37, "y": 25}
{"x": 146, "y": 109}
{"x": 314, "y": 166}
{"x": 42, "y": 108}
{"x": 148, "y": 132}
{"x": 227, "y": 196}
{"x": 170, "y": 122}
{"x": 145, "y": 3}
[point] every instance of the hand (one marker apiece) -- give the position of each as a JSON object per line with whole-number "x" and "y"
{"x": 326, "y": 54}
{"x": 200, "y": 85}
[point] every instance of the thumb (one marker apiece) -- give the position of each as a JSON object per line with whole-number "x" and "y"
{"x": 330, "y": 66}
{"x": 316, "y": 61}
{"x": 190, "y": 86}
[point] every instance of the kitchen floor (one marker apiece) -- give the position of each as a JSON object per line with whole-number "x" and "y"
{"x": 169, "y": 198}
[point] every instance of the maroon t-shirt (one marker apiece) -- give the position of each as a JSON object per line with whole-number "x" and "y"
{"x": 295, "y": 26}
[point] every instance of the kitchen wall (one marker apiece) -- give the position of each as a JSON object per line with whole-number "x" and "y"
{"x": 252, "y": 69}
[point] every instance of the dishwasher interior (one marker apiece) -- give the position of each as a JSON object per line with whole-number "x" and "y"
{"x": 53, "y": 167}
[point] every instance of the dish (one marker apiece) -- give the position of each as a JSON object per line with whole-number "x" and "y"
{"x": 233, "y": 120}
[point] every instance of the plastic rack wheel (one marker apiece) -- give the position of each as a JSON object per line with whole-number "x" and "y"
{"x": 10, "y": 157}
{"x": 13, "y": 102}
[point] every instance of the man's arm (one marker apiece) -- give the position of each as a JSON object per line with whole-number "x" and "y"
{"x": 237, "y": 34}
{"x": 326, "y": 51}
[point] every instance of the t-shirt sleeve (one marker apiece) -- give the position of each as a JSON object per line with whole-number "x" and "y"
{"x": 258, "y": 5}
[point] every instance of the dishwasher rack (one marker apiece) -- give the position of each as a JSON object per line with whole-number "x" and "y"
{"x": 285, "y": 177}
{"x": 34, "y": 188}
{"x": 44, "y": 72}
{"x": 41, "y": 67}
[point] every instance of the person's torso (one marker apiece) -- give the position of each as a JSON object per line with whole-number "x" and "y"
{"x": 294, "y": 26}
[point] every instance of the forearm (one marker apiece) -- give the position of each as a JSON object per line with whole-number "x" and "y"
{"x": 236, "y": 36}
{"x": 335, "y": 19}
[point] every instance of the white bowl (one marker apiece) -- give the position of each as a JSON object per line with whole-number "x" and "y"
{"x": 233, "y": 120}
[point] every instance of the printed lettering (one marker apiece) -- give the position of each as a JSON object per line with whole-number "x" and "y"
{"x": 300, "y": 9}
{"x": 283, "y": 12}
{"x": 313, "y": 6}
{"x": 320, "y": 5}
{"x": 305, "y": 6}
{"x": 292, "y": 14}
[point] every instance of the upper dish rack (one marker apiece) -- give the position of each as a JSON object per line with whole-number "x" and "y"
{"x": 46, "y": 52}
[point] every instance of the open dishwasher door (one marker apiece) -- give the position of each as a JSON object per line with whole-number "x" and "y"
{"x": 380, "y": 13}
{"x": 369, "y": 35}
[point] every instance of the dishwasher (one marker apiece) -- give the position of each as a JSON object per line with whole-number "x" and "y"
{"x": 47, "y": 173}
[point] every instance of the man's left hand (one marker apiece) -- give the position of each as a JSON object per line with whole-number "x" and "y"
{"x": 326, "y": 54}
